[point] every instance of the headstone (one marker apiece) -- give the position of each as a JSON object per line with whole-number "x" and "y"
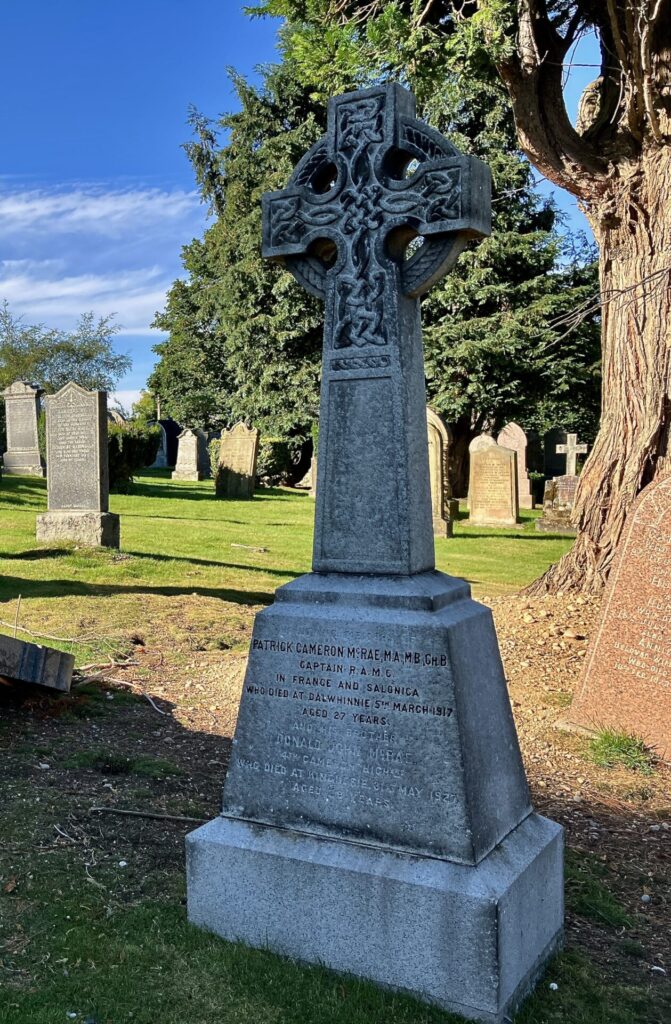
{"x": 443, "y": 507}
{"x": 78, "y": 471}
{"x": 313, "y": 477}
{"x": 626, "y": 684}
{"x": 376, "y": 817}
{"x": 236, "y": 472}
{"x": 492, "y": 485}
{"x": 553, "y": 464}
{"x": 22, "y": 662}
{"x": 512, "y": 436}
{"x": 558, "y": 501}
{"x": 22, "y": 406}
{"x": 571, "y": 449}
{"x": 193, "y": 461}
{"x": 161, "y": 460}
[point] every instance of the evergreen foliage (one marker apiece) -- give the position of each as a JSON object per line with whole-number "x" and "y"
{"x": 245, "y": 341}
{"x": 132, "y": 447}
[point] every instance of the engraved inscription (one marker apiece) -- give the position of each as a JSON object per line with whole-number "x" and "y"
{"x": 492, "y": 488}
{"x": 73, "y": 450}
{"x": 347, "y": 730}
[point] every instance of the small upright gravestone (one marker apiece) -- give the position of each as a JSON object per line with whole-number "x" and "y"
{"x": 78, "y": 472}
{"x": 560, "y": 492}
{"x": 376, "y": 815}
{"x": 513, "y": 437}
{"x": 22, "y": 406}
{"x": 193, "y": 461}
{"x": 161, "y": 460}
{"x": 558, "y": 501}
{"x": 626, "y": 685}
{"x": 443, "y": 507}
{"x": 492, "y": 486}
{"x": 236, "y": 472}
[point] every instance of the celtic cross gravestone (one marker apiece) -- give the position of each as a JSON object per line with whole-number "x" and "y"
{"x": 342, "y": 227}
{"x": 376, "y": 816}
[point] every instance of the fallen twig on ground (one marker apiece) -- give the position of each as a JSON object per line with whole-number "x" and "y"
{"x": 147, "y": 814}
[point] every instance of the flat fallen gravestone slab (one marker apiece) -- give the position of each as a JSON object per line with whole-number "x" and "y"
{"x": 22, "y": 662}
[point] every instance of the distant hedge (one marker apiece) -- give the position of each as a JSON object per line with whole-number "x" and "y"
{"x": 132, "y": 447}
{"x": 275, "y": 462}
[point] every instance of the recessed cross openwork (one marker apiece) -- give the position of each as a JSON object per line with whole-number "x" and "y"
{"x": 374, "y": 214}
{"x": 571, "y": 450}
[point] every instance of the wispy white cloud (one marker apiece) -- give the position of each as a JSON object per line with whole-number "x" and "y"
{"x": 91, "y": 209}
{"x": 133, "y": 296}
{"x": 126, "y": 399}
{"x": 102, "y": 248}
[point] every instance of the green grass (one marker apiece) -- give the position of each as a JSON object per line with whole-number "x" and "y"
{"x": 112, "y": 960}
{"x": 80, "y": 934}
{"x": 587, "y": 892}
{"x": 110, "y": 763}
{"x": 611, "y": 749}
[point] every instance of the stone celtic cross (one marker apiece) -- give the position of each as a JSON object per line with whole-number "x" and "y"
{"x": 571, "y": 450}
{"x": 379, "y": 180}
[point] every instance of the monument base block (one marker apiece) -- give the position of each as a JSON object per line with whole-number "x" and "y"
{"x": 471, "y": 939}
{"x": 179, "y": 474}
{"x": 16, "y": 467}
{"x": 91, "y": 529}
{"x": 563, "y": 527}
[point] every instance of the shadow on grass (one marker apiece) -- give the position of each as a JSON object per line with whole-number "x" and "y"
{"x": 176, "y": 490}
{"x": 292, "y": 573}
{"x": 34, "y": 554}
{"x": 209, "y": 978}
{"x": 10, "y": 586}
{"x": 499, "y": 533}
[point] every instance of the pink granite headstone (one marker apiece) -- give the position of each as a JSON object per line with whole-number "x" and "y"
{"x": 627, "y": 680}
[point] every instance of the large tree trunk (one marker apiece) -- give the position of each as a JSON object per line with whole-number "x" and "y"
{"x": 632, "y": 227}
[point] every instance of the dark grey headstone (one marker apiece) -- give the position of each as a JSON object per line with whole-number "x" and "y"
{"x": 78, "y": 470}
{"x": 553, "y": 462}
{"x": 22, "y": 405}
{"x": 375, "y": 753}
{"x": 161, "y": 460}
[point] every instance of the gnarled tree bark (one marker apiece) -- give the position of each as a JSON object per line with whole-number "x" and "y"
{"x": 619, "y": 166}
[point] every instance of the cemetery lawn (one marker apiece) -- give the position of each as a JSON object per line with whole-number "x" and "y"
{"x": 92, "y": 917}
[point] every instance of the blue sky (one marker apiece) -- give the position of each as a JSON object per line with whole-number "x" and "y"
{"x": 96, "y": 195}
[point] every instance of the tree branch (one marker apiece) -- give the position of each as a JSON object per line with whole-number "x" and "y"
{"x": 533, "y": 76}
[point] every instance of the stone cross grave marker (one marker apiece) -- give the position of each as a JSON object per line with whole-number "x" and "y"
{"x": 77, "y": 470}
{"x": 341, "y": 227}
{"x": 376, "y": 816}
{"x": 626, "y": 684}
{"x": 22, "y": 406}
{"x": 236, "y": 472}
{"x": 571, "y": 450}
{"x": 512, "y": 436}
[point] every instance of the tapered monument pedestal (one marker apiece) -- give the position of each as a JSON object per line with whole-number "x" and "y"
{"x": 376, "y": 814}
